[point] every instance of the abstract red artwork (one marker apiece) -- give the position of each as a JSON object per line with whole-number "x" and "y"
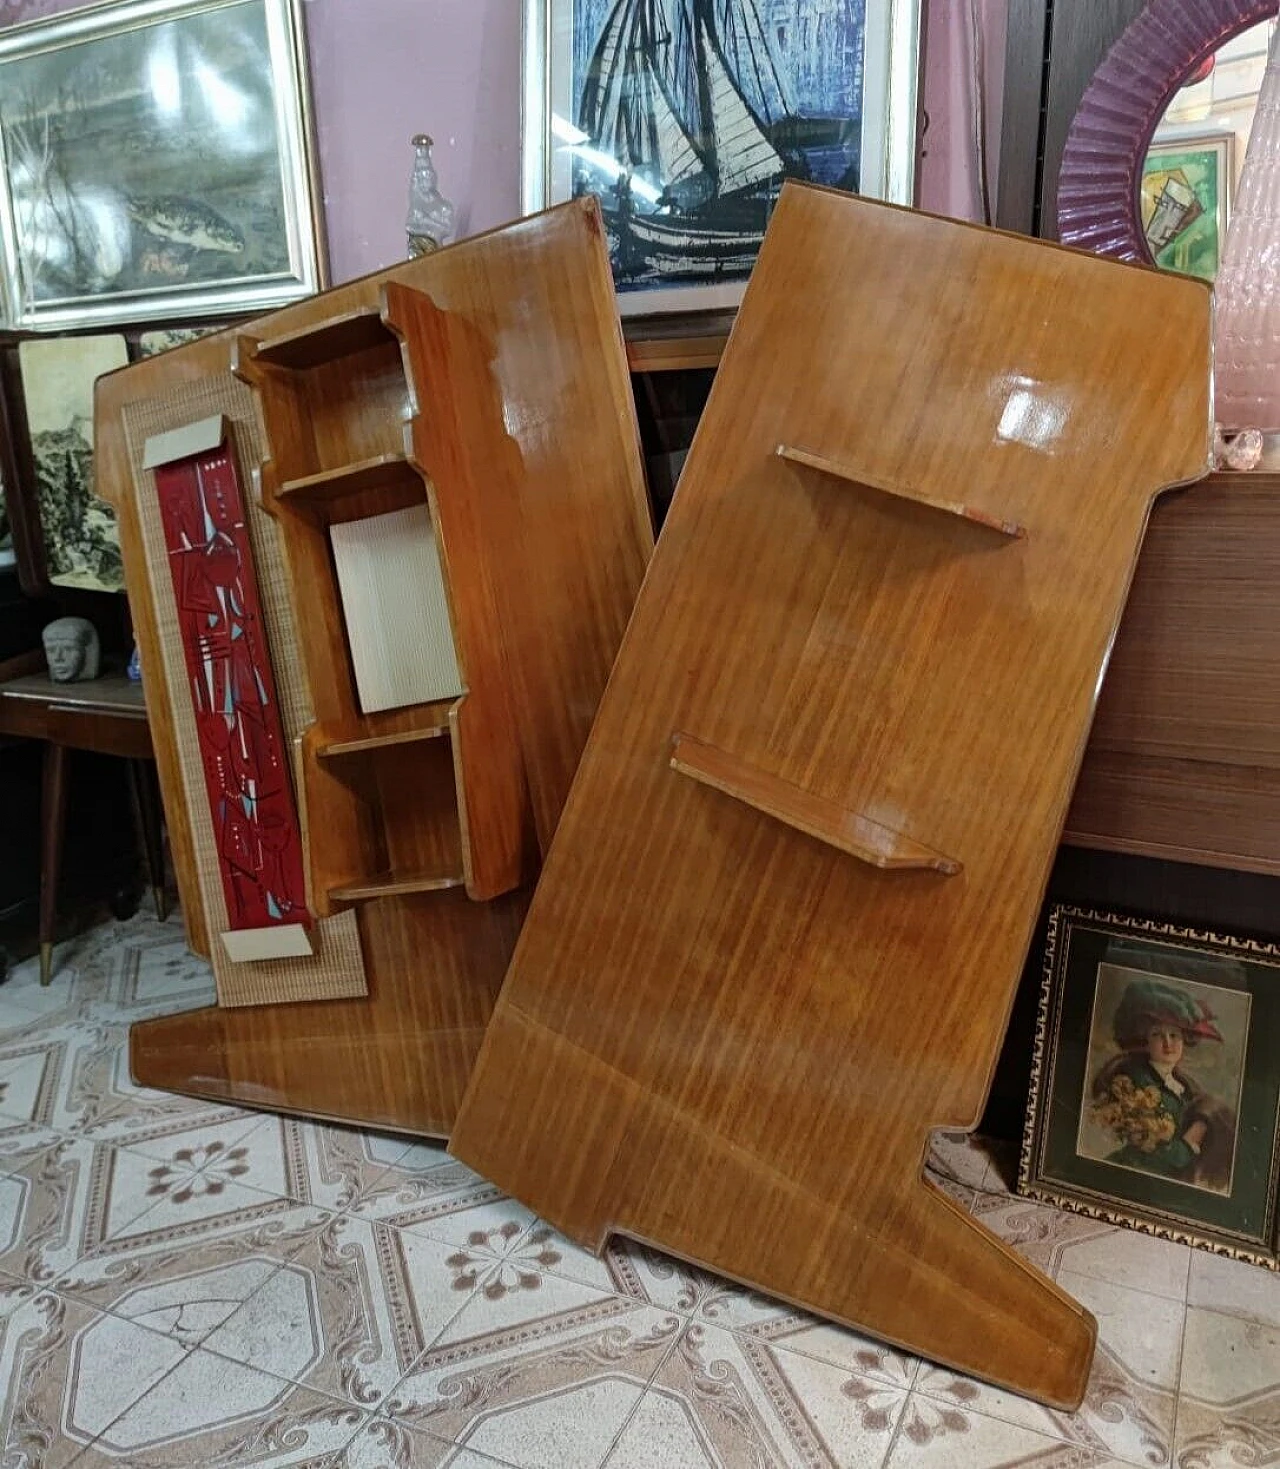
{"x": 242, "y": 745}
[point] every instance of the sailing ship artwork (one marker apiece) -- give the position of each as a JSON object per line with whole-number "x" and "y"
{"x": 688, "y": 115}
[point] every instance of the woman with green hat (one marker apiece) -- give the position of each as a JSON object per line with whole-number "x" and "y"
{"x": 1165, "y": 1121}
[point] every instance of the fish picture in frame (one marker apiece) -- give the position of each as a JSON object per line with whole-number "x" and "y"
{"x": 1155, "y": 1097}
{"x": 156, "y": 163}
{"x": 685, "y": 117}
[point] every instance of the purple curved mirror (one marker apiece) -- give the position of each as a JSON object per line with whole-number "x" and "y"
{"x": 1102, "y": 165}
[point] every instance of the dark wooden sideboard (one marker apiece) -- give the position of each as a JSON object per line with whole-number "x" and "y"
{"x": 1184, "y": 759}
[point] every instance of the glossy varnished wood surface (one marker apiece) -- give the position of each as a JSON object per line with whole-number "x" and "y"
{"x": 1184, "y": 758}
{"x": 533, "y": 305}
{"x": 722, "y": 1034}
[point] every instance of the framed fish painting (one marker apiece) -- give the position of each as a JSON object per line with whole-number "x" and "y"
{"x": 156, "y": 162}
{"x": 684, "y": 117}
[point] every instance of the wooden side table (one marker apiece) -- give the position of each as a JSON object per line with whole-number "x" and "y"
{"x": 106, "y": 715}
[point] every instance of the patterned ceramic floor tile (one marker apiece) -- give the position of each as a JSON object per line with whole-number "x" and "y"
{"x": 113, "y": 1105}
{"x": 66, "y": 1372}
{"x": 1038, "y": 1233}
{"x": 1129, "y": 1407}
{"x": 656, "y": 1279}
{"x": 316, "y": 1163}
{"x": 649, "y": 1276}
{"x": 719, "y": 1400}
{"x": 422, "y": 1187}
{"x": 382, "y": 1444}
{"x": 1229, "y": 1409}
{"x": 539, "y": 1377}
{"x": 215, "y": 1414}
{"x": 1234, "y": 1288}
{"x": 351, "y": 1312}
{"x": 188, "y": 1281}
{"x": 67, "y": 1199}
{"x": 935, "y": 1435}
{"x": 151, "y": 971}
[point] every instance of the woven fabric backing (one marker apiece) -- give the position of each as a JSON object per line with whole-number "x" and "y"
{"x": 336, "y": 968}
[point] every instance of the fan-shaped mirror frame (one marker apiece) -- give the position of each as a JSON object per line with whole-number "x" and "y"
{"x": 1101, "y": 171}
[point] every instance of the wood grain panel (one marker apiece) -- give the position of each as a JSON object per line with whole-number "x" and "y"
{"x": 1212, "y": 814}
{"x": 1184, "y": 758}
{"x": 703, "y": 992}
{"x": 543, "y": 341}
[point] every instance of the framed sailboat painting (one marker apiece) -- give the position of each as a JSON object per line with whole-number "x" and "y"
{"x": 685, "y": 116}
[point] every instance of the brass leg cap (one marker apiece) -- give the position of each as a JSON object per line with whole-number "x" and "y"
{"x": 46, "y": 963}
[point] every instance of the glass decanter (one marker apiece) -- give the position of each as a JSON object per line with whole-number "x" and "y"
{"x": 429, "y": 224}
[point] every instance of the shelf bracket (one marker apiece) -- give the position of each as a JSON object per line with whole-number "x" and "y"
{"x": 820, "y": 462}
{"x": 860, "y": 836}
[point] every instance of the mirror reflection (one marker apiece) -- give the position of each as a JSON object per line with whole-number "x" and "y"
{"x": 1191, "y": 170}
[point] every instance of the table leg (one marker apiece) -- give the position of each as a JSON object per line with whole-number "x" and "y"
{"x": 53, "y": 819}
{"x": 146, "y": 810}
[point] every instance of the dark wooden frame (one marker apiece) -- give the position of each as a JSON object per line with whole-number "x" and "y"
{"x": 1056, "y": 977}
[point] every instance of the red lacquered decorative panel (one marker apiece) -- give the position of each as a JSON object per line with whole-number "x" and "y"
{"x": 242, "y": 745}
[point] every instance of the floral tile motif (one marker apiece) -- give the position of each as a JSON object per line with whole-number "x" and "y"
{"x": 221, "y": 1415}
{"x": 720, "y": 1400}
{"x": 537, "y": 1378}
{"x": 647, "y": 1275}
{"x": 66, "y": 1372}
{"x": 350, "y": 1312}
{"x": 382, "y": 1444}
{"x": 936, "y": 1435}
{"x": 1129, "y": 1407}
{"x": 1229, "y": 1409}
{"x": 64, "y": 1200}
{"x": 317, "y": 1163}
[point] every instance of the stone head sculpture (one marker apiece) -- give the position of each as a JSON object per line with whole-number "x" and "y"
{"x": 71, "y": 650}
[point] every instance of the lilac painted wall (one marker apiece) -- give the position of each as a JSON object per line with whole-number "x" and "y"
{"x": 382, "y": 70}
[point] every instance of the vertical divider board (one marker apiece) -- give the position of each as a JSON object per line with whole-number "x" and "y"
{"x": 782, "y": 963}
{"x": 528, "y": 353}
{"x": 493, "y": 796}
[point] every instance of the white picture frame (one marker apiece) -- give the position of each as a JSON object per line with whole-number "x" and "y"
{"x": 157, "y": 163}
{"x": 554, "y": 142}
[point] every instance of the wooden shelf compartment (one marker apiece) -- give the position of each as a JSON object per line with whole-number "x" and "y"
{"x": 859, "y": 835}
{"x": 837, "y": 470}
{"x": 339, "y": 336}
{"x": 380, "y": 472}
{"x": 409, "y": 832}
{"x": 434, "y": 724}
{"x": 395, "y": 885}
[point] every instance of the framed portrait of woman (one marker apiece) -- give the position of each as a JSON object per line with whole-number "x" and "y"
{"x": 1155, "y": 1097}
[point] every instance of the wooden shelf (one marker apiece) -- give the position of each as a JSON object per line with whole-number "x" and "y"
{"x": 832, "y": 467}
{"x": 860, "y": 836}
{"x": 396, "y": 737}
{"x": 395, "y": 885}
{"x": 339, "y": 336}
{"x": 350, "y": 479}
